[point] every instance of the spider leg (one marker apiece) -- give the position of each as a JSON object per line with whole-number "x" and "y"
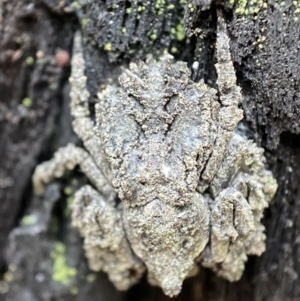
{"x": 231, "y": 224}
{"x": 66, "y": 158}
{"x": 230, "y": 96}
{"x": 237, "y": 211}
{"x": 226, "y": 81}
{"x": 231, "y": 217}
{"x": 105, "y": 242}
{"x": 83, "y": 125}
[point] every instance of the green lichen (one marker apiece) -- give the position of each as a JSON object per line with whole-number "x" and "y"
{"x": 27, "y": 102}
{"x": 30, "y": 219}
{"x": 69, "y": 202}
{"x": 61, "y": 273}
{"x": 90, "y": 278}
{"x": 191, "y": 7}
{"x": 84, "y": 22}
{"x": 108, "y": 47}
{"x": 296, "y": 5}
{"x": 177, "y": 30}
{"x": 160, "y": 5}
{"x": 248, "y": 7}
{"x": 29, "y": 61}
{"x": 68, "y": 190}
{"x": 8, "y": 276}
{"x": 153, "y": 35}
{"x": 259, "y": 42}
{"x": 76, "y": 5}
{"x": 180, "y": 33}
{"x": 140, "y": 8}
{"x": 174, "y": 49}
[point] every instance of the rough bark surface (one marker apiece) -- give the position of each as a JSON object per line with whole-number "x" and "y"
{"x": 34, "y": 121}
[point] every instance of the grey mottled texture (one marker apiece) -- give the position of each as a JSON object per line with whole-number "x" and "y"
{"x": 193, "y": 188}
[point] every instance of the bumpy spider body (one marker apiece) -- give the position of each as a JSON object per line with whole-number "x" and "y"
{"x": 192, "y": 187}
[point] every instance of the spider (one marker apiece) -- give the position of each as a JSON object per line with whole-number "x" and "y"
{"x": 192, "y": 186}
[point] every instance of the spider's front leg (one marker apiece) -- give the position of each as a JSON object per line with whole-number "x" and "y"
{"x": 92, "y": 163}
{"x": 105, "y": 242}
{"x": 230, "y": 96}
{"x": 82, "y": 124}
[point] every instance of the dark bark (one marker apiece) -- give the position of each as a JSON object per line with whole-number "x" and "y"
{"x": 28, "y": 30}
{"x": 34, "y": 121}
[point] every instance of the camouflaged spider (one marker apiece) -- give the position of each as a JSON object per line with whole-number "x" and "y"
{"x": 193, "y": 187}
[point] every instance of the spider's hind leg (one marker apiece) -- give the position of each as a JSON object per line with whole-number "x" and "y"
{"x": 105, "y": 242}
{"x": 67, "y": 158}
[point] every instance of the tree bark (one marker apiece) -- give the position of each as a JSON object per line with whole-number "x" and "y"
{"x": 35, "y": 48}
